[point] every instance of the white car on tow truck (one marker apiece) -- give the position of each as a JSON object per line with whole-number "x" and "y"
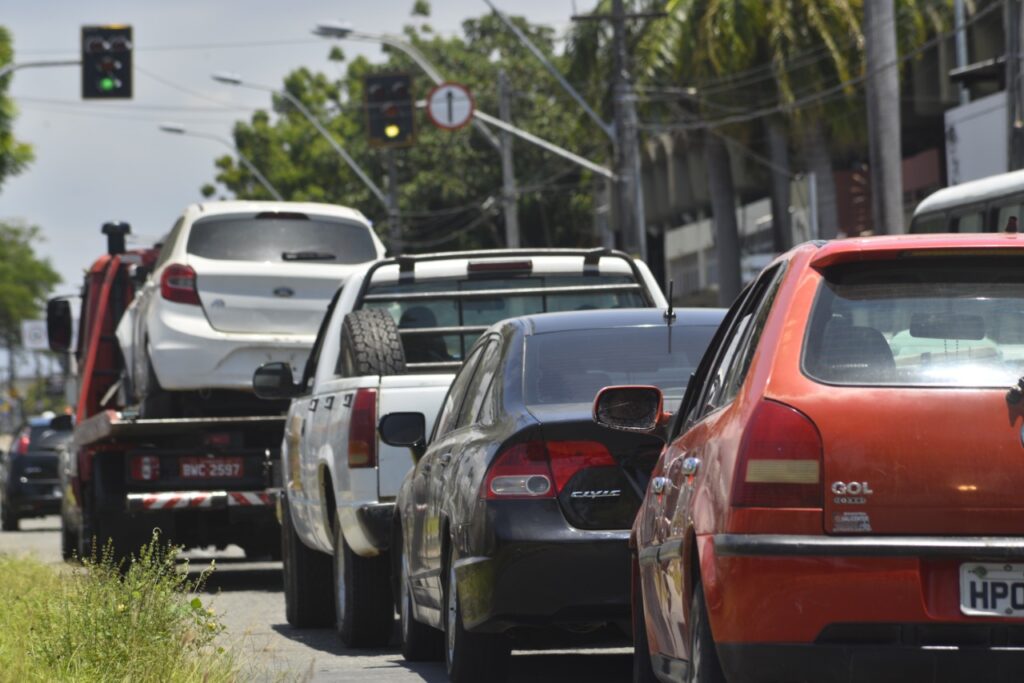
{"x": 391, "y": 342}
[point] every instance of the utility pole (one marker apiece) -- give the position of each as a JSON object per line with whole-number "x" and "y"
{"x": 883, "y": 99}
{"x": 508, "y": 177}
{"x": 394, "y": 221}
{"x": 960, "y": 42}
{"x": 1014, "y": 106}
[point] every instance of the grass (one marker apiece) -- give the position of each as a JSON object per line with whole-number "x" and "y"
{"x": 101, "y": 622}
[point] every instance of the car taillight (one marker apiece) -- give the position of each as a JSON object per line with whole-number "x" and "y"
{"x": 145, "y": 467}
{"x": 520, "y": 471}
{"x": 362, "y": 430}
{"x": 541, "y": 469}
{"x": 780, "y": 460}
{"x": 569, "y": 457}
{"x": 21, "y": 448}
{"x": 178, "y": 283}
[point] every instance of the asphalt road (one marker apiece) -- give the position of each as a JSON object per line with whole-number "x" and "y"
{"x": 248, "y": 597}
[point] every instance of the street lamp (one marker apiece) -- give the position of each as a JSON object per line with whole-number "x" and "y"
{"x": 178, "y": 129}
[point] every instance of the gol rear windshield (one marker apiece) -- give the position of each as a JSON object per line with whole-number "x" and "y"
{"x": 927, "y": 321}
{"x": 418, "y": 306}
{"x": 281, "y": 238}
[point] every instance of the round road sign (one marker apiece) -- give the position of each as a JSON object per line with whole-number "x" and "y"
{"x": 450, "y": 106}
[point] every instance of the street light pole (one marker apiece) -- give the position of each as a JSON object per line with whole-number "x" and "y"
{"x": 12, "y": 67}
{"x": 234, "y": 79}
{"x": 178, "y": 129}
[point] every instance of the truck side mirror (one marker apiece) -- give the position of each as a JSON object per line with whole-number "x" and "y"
{"x": 274, "y": 381}
{"x": 58, "y": 324}
{"x": 630, "y": 409}
{"x": 406, "y": 430}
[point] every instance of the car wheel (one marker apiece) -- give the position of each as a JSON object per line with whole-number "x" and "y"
{"x": 370, "y": 344}
{"x": 420, "y": 642}
{"x": 155, "y": 403}
{"x": 68, "y": 540}
{"x": 643, "y": 672}
{"x": 363, "y": 606}
{"x": 469, "y": 656}
{"x": 307, "y": 576}
{"x": 8, "y": 518}
{"x": 704, "y": 664}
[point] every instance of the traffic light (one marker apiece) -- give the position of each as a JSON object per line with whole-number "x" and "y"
{"x": 106, "y": 62}
{"x": 390, "y": 110}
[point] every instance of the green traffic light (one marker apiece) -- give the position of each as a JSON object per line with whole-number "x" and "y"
{"x": 107, "y": 84}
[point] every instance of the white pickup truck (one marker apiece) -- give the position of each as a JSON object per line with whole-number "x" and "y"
{"x": 391, "y": 341}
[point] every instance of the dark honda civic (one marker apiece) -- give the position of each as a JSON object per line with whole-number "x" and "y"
{"x": 521, "y": 502}
{"x": 29, "y": 486}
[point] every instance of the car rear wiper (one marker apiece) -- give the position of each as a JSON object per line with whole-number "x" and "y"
{"x": 308, "y": 256}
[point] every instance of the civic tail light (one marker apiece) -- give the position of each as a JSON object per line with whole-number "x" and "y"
{"x": 540, "y": 469}
{"x": 145, "y": 468}
{"x": 780, "y": 460}
{"x": 178, "y": 283}
{"x": 362, "y": 430}
{"x": 21, "y": 448}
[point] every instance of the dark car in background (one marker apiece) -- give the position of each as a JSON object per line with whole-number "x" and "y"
{"x": 517, "y": 514}
{"x": 29, "y": 485}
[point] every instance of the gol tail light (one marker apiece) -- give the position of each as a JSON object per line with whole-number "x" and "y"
{"x": 780, "y": 460}
{"x": 362, "y": 430}
{"x": 540, "y": 469}
{"x": 178, "y": 284}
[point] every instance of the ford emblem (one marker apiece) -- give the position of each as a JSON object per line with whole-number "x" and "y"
{"x": 284, "y": 292}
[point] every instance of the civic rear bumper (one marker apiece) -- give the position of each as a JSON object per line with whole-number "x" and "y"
{"x": 537, "y": 570}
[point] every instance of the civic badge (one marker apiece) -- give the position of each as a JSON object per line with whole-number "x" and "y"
{"x": 284, "y": 292}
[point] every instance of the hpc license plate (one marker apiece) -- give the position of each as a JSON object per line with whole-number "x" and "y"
{"x": 210, "y": 468}
{"x": 991, "y": 589}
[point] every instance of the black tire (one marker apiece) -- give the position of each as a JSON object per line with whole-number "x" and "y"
{"x": 155, "y": 403}
{"x": 307, "y": 579}
{"x": 370, "y": 345}
{"x": 363, "y": 605}
{"x": 420, "y": 642}
{"x": 704, "y": 664}
{"x": 470, "y": 657}
{"x": 643, "y": 671}
{"x": 8, "y": 518}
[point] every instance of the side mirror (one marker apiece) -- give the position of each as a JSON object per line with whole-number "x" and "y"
{"x": 274, "y": 381}
{"x": 630, "y": 409}
{"x": 58, "y": 324}
{"x": 408, "y": 430}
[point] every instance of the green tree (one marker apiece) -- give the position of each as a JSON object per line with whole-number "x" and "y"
{"x": 449, "y": 182}
{"x": 14, "y": 156}
{"x": 25, "y": 282}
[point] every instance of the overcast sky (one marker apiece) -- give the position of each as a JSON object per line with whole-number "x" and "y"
{"x": 102, "y": 161}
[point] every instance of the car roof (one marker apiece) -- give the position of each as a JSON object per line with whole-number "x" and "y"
{"x": 543, "y": 323}
{"x": 232, "y": 206}
{"x": 895, "y": 246}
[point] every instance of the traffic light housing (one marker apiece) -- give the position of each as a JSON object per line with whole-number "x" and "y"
{"x": 106, "y": 62}
{"x": 390, "y": 110}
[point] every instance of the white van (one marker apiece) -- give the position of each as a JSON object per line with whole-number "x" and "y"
{"x": 982, "y": 205}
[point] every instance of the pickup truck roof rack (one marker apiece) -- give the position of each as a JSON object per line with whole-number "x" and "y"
{"x": 407, "y": 265}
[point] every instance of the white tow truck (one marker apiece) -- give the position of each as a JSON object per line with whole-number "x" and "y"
{"x": 391, "y": 341}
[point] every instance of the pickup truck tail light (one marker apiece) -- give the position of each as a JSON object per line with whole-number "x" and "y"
{"x": 780, "y": 460}
{"x": 362, "y": 430}
{"x": 178, "y": 284}
{"x": 21, "y": 448}
{"x": 145, "y": 467}
{"x": 540, "y": 469}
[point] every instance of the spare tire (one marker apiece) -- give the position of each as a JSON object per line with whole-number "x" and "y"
{"x": 370, "y": 345}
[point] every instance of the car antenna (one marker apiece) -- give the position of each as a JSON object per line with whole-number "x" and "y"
{"x": 670, "y": 314}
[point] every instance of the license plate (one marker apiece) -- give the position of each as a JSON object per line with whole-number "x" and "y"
{"x": 991, "y": 589}
{"x": 210, "y": 468}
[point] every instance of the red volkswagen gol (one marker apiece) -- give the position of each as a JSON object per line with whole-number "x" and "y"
{"x": 842, "y": 494}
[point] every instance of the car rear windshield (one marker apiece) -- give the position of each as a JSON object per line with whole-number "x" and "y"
{"x": 46, "y": 438}
{"x": 435, "y": 307}
{"x": 929, "y": 322}
{"x": 573, "y": 365}
{"x": 292, "y": 238}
